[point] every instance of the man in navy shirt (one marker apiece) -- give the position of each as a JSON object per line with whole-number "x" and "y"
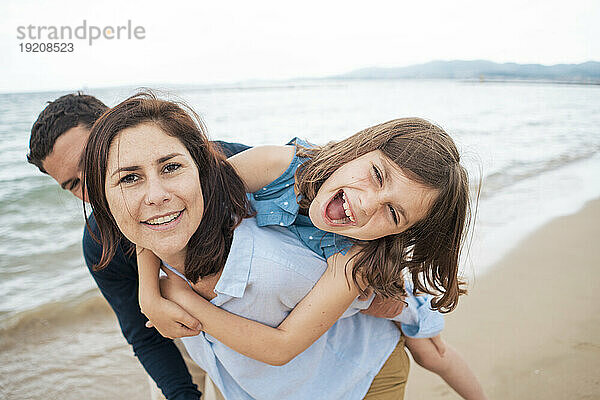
{"x": 58, "y": 138}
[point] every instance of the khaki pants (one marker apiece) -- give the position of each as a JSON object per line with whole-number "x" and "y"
{"x": 209, "y": 390}
{"x": 389, "y": 383}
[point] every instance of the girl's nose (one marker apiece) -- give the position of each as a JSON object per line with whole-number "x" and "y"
{"x": 370, "y": 203}
{"x": 157, "y": 193}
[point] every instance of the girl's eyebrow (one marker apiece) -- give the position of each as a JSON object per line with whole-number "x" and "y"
{"x": 137, "y": 167}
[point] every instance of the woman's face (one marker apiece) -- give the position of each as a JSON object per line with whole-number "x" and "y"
{"x": 153, "y": 189}
{"x": 369, "y": 198}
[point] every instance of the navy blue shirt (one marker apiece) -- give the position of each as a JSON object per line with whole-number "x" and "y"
{"x": 118, "y": 283}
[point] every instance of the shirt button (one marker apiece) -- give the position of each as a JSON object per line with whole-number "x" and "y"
{"x": 281, "y": 223}
{"x": 287, "y": 184}
{"x": 310, "y": 237}
{"x": 285, "y": 203}
{"x": 264, "y": 188}
{"x": 271, "y": 212}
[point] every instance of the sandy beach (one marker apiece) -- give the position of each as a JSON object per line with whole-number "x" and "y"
{"x": 529, "y": 328}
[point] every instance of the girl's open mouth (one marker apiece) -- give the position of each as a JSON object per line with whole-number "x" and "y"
{"x": 338, "y": 210}
{"x": 164, "y": 222}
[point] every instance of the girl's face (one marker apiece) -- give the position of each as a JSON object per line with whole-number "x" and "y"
{"x": 369, "y": 198}
{"x": 153, "y": 189}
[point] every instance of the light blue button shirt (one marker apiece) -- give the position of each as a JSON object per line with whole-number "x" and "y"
{"x": 267, "y": 273}
{"x": 276, "y": 205}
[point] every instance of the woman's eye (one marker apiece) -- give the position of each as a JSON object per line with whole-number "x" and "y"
{"x": 129, "y": 178}
{"x": 172, "y": 167}
{"x": 393, "y": 212}
{"x": 378, "y": 175}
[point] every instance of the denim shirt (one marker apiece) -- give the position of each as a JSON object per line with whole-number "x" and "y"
{"x": 276, "y": 204}
{"x": 267, "y": 273}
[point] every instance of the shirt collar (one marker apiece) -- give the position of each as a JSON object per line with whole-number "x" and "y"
{"x": 234, "y": 278}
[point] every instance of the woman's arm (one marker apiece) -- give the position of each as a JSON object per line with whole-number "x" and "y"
{"x": 167, "y": 317}
{"x": 313, "y": 316}
{"x": 261, "y": 165}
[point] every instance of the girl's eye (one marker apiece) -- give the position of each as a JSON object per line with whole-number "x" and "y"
{"x": 172, "y": 167}
{"x": 129, "y": 178}
{"x": 378, "y": 175}
{"x": 394, "y": 216}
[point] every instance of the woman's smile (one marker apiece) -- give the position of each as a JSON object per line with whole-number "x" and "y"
{"x": 164, "y": 222}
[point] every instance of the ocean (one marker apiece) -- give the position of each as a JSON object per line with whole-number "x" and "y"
{"x": 535, "y": 149}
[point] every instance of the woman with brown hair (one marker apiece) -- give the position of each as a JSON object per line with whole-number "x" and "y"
{"x": 152, "y": 176}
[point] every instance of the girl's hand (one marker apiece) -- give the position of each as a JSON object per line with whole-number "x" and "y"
{"x": 384, "y": 308}
{"x": 171, "y": 320}
{"x": 164, "y": 314}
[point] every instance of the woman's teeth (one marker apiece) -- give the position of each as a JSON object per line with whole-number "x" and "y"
{"x": 163, "y": 220}
{"x": 347, "y": 208}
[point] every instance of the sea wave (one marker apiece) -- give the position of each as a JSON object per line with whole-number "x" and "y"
{"x": 519, "y": 170}
{"x": 56, "y": 313}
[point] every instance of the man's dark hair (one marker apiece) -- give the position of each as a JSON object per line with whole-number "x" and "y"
{"x": 59, "y": 116}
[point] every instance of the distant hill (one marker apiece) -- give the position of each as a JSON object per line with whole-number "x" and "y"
{"x": 588, "y": 72}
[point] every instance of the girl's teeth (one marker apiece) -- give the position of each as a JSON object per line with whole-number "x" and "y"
{"x": 349, "y": 214}
{"x": 346, "y": 207}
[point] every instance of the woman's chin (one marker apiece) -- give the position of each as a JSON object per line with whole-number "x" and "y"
{"x": 166, "y": 252}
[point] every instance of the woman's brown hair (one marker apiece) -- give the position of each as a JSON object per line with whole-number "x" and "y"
{"x": 430, "y": 248}
{"x": 225, "y": 203}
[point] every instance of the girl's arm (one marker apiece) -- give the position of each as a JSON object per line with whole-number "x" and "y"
{"x": 313, "y": 316}
{"x": 148, "y": 267}
{"x": 261, "y": 165}
{"x": 167, "y": 317}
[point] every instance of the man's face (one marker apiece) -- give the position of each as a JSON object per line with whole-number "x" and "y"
{"x": 63, "y": 163}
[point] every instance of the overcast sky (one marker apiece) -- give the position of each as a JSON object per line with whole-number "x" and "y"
{"x": 204, "y": 42}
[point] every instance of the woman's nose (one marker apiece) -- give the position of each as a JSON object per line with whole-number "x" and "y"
{"x": 156, "y": 193}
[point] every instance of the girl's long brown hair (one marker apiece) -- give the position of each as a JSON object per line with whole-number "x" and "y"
{"x": 225, "y": 203}
{"x": 430, "y": 248}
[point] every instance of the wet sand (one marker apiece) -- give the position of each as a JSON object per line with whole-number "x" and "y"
{"x": 530, "y": 328}
{"x": 79, "y": 354}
